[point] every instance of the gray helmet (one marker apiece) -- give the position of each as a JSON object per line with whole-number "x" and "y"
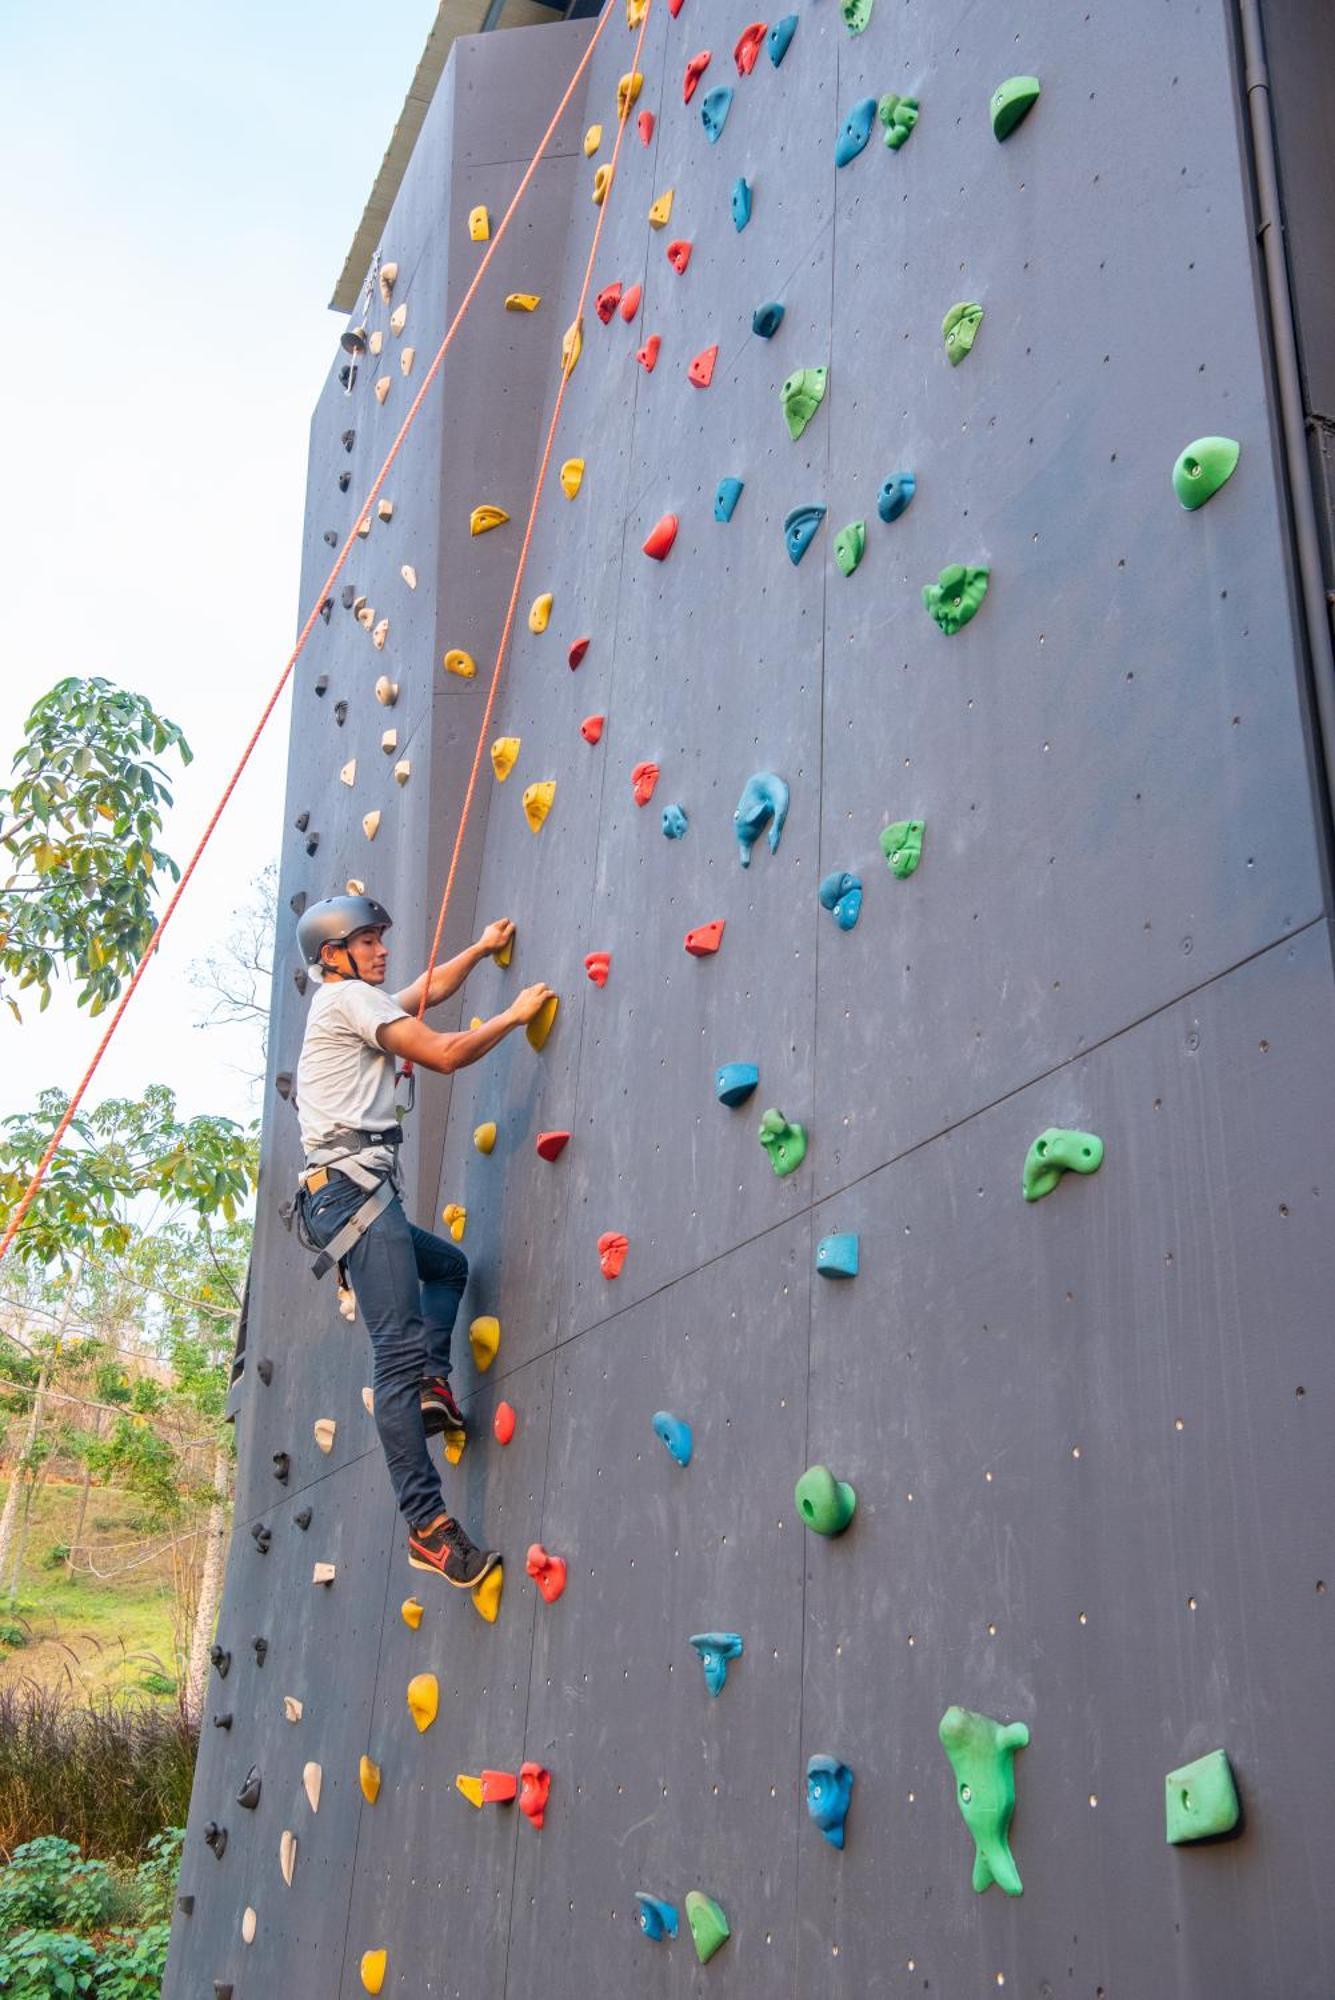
{"x": 334, "y": 921}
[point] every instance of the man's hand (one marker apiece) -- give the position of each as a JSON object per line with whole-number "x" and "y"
{"x": 496, "y": 936}
{"x": 526, "y": 1006}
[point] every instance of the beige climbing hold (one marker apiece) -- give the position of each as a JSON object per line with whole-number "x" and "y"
{"x": 398, "y": 319}
{"x": 484, "y": 1136}
{"x": 324, "y": 1433}
{"x": 380, "y": 634}
{"x": 455, "y": 1218}
{"x": 593, "y": 139}
{"x": 382, "y": 387}
{"x": 423, "y": 1700}
{"x": 389, "y": 742}
{"x": 572, "y": 346}
{"x": 504, "y": 751}
{"x": 324, "y": 1573}
{"x": 312, "y": 1780}
{"x": 484, "y": 518}
{"x": 406, "y": 360}
{"x": 540, "y": 612}
{"x": 409, "y": 575}
{"x": 359, "y": 605}
{"x": 368, "y": 1777}
{"x": 347, "y": 1300}
{"x": 384, "y": 510}
{"x": 386, "y": 691}
{"x": 628, "y": 90}
{"x": 403, "y": 770}
{"x": 484, "y": 1337}
{"x": 348, "y": 774}
{"x": 460, "y": 663}
{"x": 366, "y": 616}
{"x": 479, "y": 225}
{"x": 388, "y": 273}
{"x": 538, "y": 801}
{"x": 292, "y": 1708}
{"x": 249, "y": 1920}
{"x": 287, "y": 1855}
{"x": 522, "y": 302}
{"x": 371, "y": 824}
{"x": 487, "y": 1594}
{"x": 410, "y": 1611}
{"x": 354, "y": 887}
{"x": 661, "y": 212}
{"x": 364, "y": 529}
{"x": 471, "y": 1789}
{"x": 376, "y": 342}
{"x": 572, "y": 477}
{"x": 373, "y": 1968}
{"x": 602, "y": 181}
{"x": 368, "y": 1402}
{"x": 454, "y": 1446}
{"x": 540, "y": 1026}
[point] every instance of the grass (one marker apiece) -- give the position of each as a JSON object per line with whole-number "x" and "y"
{"x": 108, "y": 1774}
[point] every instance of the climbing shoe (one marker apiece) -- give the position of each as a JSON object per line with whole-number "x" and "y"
{"x": 440, "y": 1412}
{"x": 446, "y": 1549}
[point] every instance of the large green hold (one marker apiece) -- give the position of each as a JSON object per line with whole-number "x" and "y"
{"x": 1201, "y": 1800}
{"x": 1056, "y": 1152}
{"x": 1206, "y": 465}
{"x": 981, "y": 1754}
{"x": 801, "y": 396}
{"x": 709, "y": 1925}
{"x": 901, "y": 844}
{"x": 1011, "y": 102}
{"x": 959, "y": 329}
{"x": 826, "y": 1504}
{"x": 856, "y": 14}
{"x": 957, "y": 595}
{"x": 786, "y": 1144}
{"x": 899, "y": 115}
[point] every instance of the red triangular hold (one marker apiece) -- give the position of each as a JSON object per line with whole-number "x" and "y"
{"x": 674, "y": 8}
{"x": 550, "y": 1145}
{"x": 705, "y": 938}
{"x": 679, "y": 254}
{"x": 661, "y": 537}
{"x": 630, "y": 305}
{"x": 499, "y": 1788}
{"x": 577, "y": 652}
{"x": 749, "y": 47}
{"x": 607, "y": 301}
{"x": 701, "y": 370}
{"x": 695, "y": 69}
{"x": 647, "y": 356}
{"x": 591, "y": 728}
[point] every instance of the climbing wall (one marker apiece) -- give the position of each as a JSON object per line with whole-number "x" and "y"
{"x": 1087, "y": 1432}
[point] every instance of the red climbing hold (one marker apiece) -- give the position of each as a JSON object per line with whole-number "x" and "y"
{"x": 749, "y": 47}
{"x": 630, "y": 305}
{"x": 679, "y": 254}
{"x": 646, "y": 124}
{"x": 612, "y": 1252}
{"x": 695, "y": 69}
{"x": 607, "y": 301}
{"x": 499, "y": 1788}
{"x": 705, "y": 938}
{"x": 661, "y": 537}
{"x": 598, "y": 964}
{"x": 552, "y": 1144}
{"x": 674, "y": 8}
{"x": 548, "y": 1572}
{"x": 591, "y": 728}
{"x": 701, "y": 370}
{"x": 648, "y": 354}
{"x": 503, "y": 1423}
{"x": 642, "y": 781}
{"x": 535, "y": 1786}
{"x": 577, "y": 652}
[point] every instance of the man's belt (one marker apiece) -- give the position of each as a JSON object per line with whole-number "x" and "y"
{"x": 352, "y": 1232}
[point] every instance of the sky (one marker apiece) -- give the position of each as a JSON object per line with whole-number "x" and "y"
{"x": 180, "y": 187}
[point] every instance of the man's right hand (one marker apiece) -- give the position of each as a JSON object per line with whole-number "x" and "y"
{"x": 526, "y": 1006}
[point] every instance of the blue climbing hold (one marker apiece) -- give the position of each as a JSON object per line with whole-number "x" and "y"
{"x": 855, "y": 132}
{"x": 764, "y": 803}
{"x": 674, "y": 822}
{"x": 779, "y": 37}
{"x": 799, "y": 528}
{"x": 829, "y": 1791}
{"x": 741, "y": 203}
{"x": 841, "y": 895}
{"x": 675, "y": 1433}
{"x": 895, "y": 495}
{"x": 715, "y": 1650}
{"x": 657, "y": 1918}
{"x": 837, "y": 1256}
{"x": 714, "y": 112}
{"x": 734, "y": 1082}
{"x": 766, "y": 320}
{"x": 725, "y": 500}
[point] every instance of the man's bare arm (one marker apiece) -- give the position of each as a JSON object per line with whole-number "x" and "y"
{"x": 427, "y": 1048}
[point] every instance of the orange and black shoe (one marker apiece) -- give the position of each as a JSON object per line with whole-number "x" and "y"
{"x": 446, "y": 1549}
{"x": 440, "y": 1412}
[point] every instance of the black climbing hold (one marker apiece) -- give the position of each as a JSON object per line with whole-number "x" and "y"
{"x": 303, "y": 1518}
{"x": 215, "y": 1836}
{"x": 313, "y": 843}
{"x": 348, "y": 440}
{"x": 348, "y": 597}
{"x": 326, "y": 608}
{"x": 347, "y": 375}
{"x": 264, "y": 1369}
{"x": 261, "y": 1649}
{"x": 302, "y": 821}
{"x": 344, "y": 481}
{"x": 340, "y": 713}
{"x": 299, "y": 979}
{"x": 331, "y": 538}
{"x": 297, "y": 903}
{"x": 321, "y": 684}
{"x": 222, "y": 1721}
{"x": 186, "y": 1905}
{"x": 222, "y": 1989}
{"x": 282, "y": 1467}
{"x": 221, "y": 1660}
{"x": 262, "y": 1536}
{"x": 282, "y": 1083}
{"x": 249, "y": 1795}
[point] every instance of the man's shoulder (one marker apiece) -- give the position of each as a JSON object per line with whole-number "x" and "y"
{"x": 352, "y": 1004}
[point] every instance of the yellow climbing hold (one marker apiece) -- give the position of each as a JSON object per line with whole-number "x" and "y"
{"x": 410, "y": 1611}
{"x": 538, "y": 801}
{"x": 628, "y": 90}
{"x": 602, "y": 181}
{"x": 635, "y": 12}
{"x": 505, "y": 954}
{"x": 484, "y": 518}
{"x": 572, "y": 477}
{"x": 484, "y": 1337}
{"x": 522, "y": 302}
{"x": 454, "y": 1446}
{"x": 540, "y": 1026}
{"x": 572, "y": 346}
{"x": 470, "y": 1787}
{"x": 504, "y": 751}
{"x": 374, "y": 1966}
{"x": 593, "y": 139}
{"x": 487, "y": 1594}
{"x": 455, "y": 1218}
{"x": 423, "y": 1700}
{"x": 484, "y": 1136}
{"x": 460, "y": 663}
{"x": 540, "y": 612}
{"x": 368, "y": 1776}
{"x": 479, "y": 225}
{"x": 371, "y": 824}
{"x": 661, "y": 211}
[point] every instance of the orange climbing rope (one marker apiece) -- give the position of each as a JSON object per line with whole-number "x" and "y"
{"x": 15, "y": 1221}
{"x": 568, "y": 368}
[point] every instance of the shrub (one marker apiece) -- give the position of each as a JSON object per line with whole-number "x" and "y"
{"x": 47, "y": 1965}
{"x": 155, "y": 1878}
{"x": 131, "y": 1968}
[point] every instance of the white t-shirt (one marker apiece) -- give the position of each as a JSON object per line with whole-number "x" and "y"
{"x": 344, "y": 1077}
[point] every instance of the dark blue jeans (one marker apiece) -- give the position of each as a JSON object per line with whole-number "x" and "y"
{"x": 408, "y": 1285}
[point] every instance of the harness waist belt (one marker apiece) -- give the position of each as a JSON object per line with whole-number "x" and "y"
{"x": 352, "y": 1232}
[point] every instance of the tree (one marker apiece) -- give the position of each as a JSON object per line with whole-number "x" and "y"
{"x": 80, "y": 821}
{"x": 238, "y": 972}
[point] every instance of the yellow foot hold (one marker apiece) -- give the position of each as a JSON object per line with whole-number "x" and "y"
{"x": 484, "y": 1136}
{"x": 522, "y": 302}
{"x": 479, "y": 225}
{"x": 368, "y": 1777}
{"x": 593, "y": 139}
{"x": 602, "y": 181}
{"x": 471, "y": 1789}
{"x": 487, "y": 1596}
{"x": 628, "y": 90}
{"x": 423, "y": 1700}
{"x": 538, "y": 801}
{"x": 505, "y": 954}
{"x": 540, "y": 612}
{"x": 540, "y": 1026}
{"x": 572, "y": 344}
{"x": 410, "y": 1611}
{"x": 572, "y": 477}
{"x": 484, "y": 518}
{"x": 454, "y": 1446}
{"x": 374, "y": 1966}
{"x": 455, "y": 1219}
{"x": 661, "y": 212}
{"x": 458, "y": 662}
{"x": 504, "y": 756}
{"x": 484, "y": 1337}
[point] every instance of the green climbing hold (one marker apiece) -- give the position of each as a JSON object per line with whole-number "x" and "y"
{"x": 1201, "y": 1800}
{"x": 1205, "y": 466}
{"x": 901, "y": 844}
{"x": 981, "y": 1753}
{"x": 850, "y": 545}
{"x": 1012, "y": 101}
{"x": 956, "y": 595}
{"x": 856, "y": 14}
{"x": 959, "y": 329}
{"x": 1055, "y": 1153}
{"x": 899, "y": 115}
{"x": 826, "y": 1504}
{"x": 709, "y": 1925}
{"x": 801, "y": 396}
{"x": 786, "y": 1144}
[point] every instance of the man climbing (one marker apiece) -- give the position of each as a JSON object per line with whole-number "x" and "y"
{"x": 408, "y": 1283}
